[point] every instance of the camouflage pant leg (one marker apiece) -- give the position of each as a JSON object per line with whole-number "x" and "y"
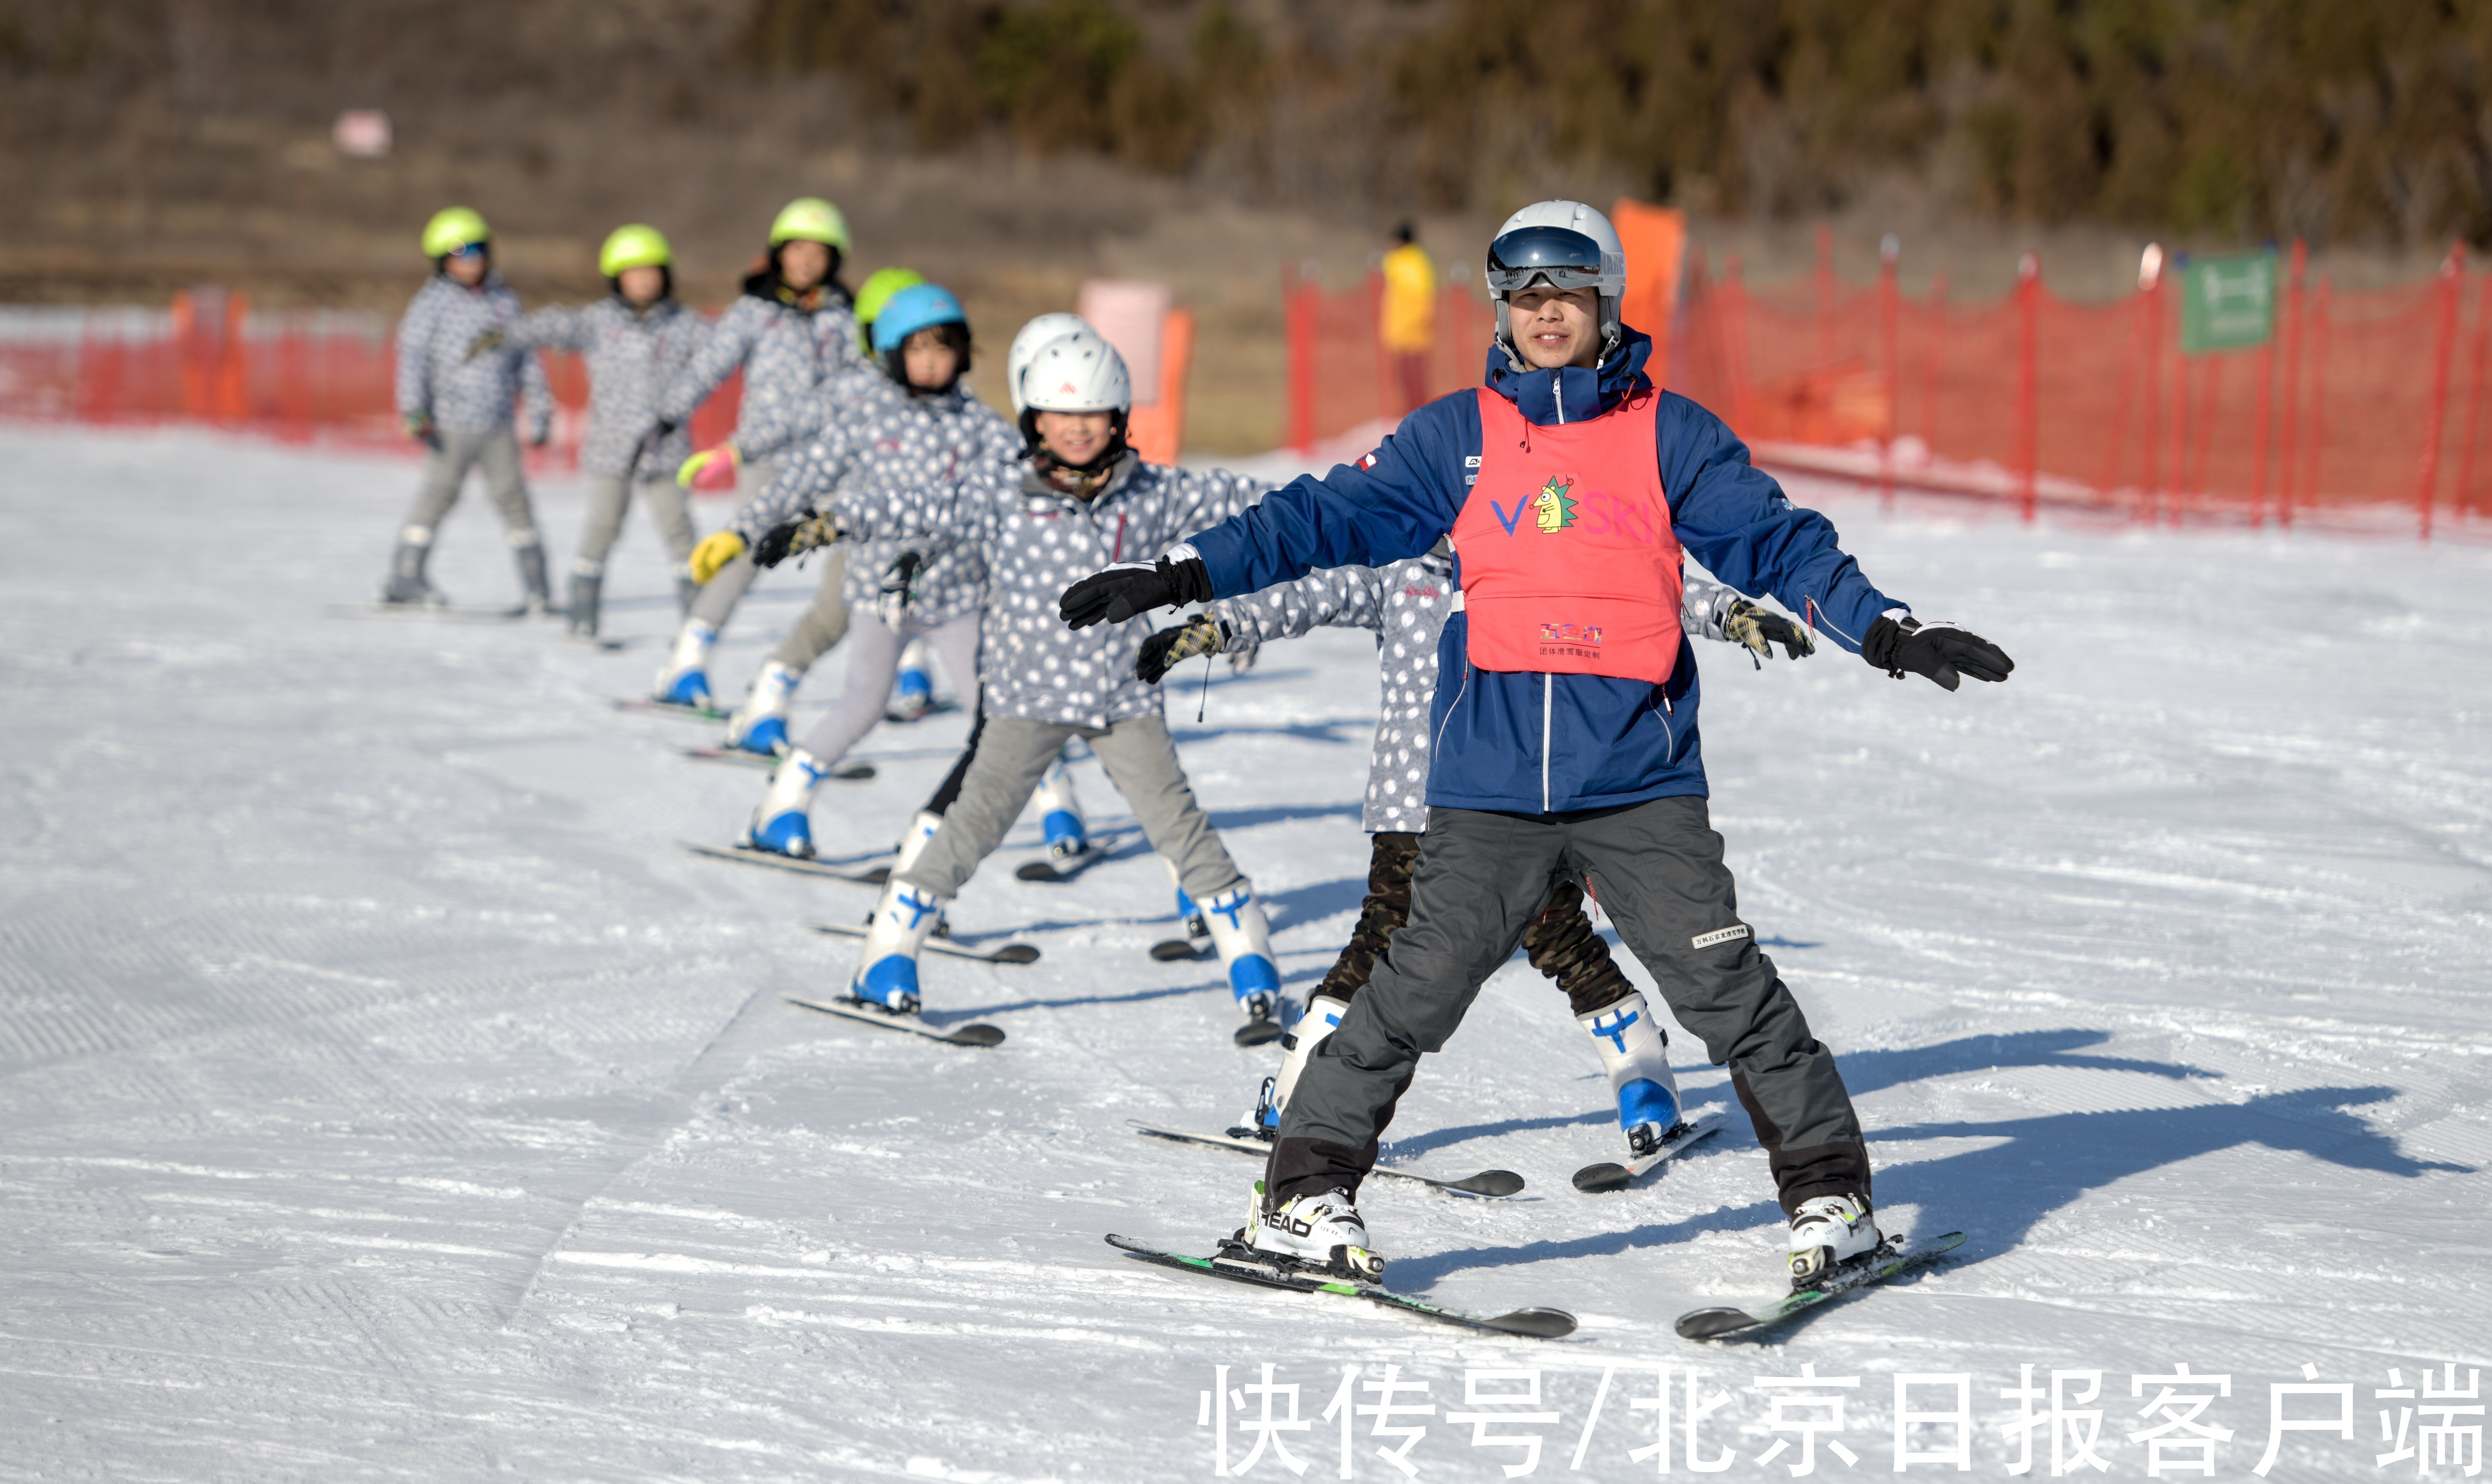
{"x": 1561, "y": 944}
{"x": 1388, "y": 907}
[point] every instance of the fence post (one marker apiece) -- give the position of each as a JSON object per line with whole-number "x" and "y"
{"x": 1890, "y": 250}
{"x": 2149, "y": 284}
{"x": 2452, "y": 282}
{"x": 2475, "y": 393}
{"x": 2293, "y": 337}
{"x": 1296, "y": 303}
{"x": 2029, "y": 411}
{"x": 2321, "y": 316}
{"x": 2258, "y": 434}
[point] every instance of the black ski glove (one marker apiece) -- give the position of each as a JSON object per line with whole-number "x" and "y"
{"x": 1761, "y": 629}
{"x": 1129, "y": 588}
{"x": 1168, "y": 648}
{"x": 1938, "y": 649}
{"x": 794, "y": 538}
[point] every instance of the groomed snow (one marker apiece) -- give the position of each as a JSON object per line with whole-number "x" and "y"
{"x": 385, "y": 1094}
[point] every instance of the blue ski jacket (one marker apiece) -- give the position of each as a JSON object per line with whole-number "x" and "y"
{"x": 1525, "y": 742}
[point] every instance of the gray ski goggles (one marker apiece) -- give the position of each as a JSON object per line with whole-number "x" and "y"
{"x": 1563, "y": 257}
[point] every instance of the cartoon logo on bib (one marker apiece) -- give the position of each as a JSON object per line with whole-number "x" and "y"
{"x": 1552, "y": 508}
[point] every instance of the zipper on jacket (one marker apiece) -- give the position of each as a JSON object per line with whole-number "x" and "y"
{"x": 1670, "y": 754}
{"x": 1548, "y": 695}
{"x": 1558, "y": 394}
{"x": 1437, "y": 749}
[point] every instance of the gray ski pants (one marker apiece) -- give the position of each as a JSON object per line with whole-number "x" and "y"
{"x": 873, "y": 662}
{"x": 1141, "y": 760}
{"x": 822, "y": 625}
{"x": 445, "y": 469}
{"x": 610, "y": 497}
{"x": 1657, "y": 869}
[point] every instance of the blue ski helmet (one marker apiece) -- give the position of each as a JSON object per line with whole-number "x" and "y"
{"x": 918, "y": 307}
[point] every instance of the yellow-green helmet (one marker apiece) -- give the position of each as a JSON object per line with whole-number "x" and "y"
{"x": 452, "y": 228}
{"x": 880, "y": 285}
{"x": 811, "y": 219}
{"x": 634, "y": 247}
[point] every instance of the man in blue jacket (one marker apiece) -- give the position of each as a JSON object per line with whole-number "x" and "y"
{"x": 1566, "y": 718}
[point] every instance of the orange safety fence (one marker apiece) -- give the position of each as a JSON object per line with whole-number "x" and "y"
{"x": 295, "y": 375}
{"x": 2361, "y": 408}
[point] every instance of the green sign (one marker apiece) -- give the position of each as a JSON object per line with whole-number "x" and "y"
{"x": 2227, "y": 303}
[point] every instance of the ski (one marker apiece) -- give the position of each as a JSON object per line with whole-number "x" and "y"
{"x": 1488, "y": 1182}
{"x": 1243, "y": 1264}
{"x": 1009, "y": 953}
{"x": 1895, "y": 1255}
{"x": 1257, "y": 1034}
{"x": 874, "y": 875}
{"x": 1174, "y": 950}
{"x": 433, "y": 612}
{"x": 1608, "y": 1175}
{"x": 875, "y": 1015}
{"x": 854, "y": 772}
{"x": 643, "y": 705}
{"x": 1060, "y": 868}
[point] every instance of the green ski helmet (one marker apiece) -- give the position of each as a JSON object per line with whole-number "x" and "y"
{"x": 878, "y": 288}
{"x": 452, "y": 228}
{"x": 634, "y": 247}
{"x": 811, "y": 219}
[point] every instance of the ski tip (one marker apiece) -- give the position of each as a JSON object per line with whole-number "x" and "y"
{"x": 1257, "y": 1033}
{"x": 855, "y": 772}
{"x": 1013, "y": 953}
{"x": 1540, "y": 1324}
{"x": 1489, "y": 1183}
{"x": 876, "y": 876}
{"x": 1706, "y": 1324}
{"x": 1036, "y": 871}
{"x": 976, "y": 1035}
{"x": 1594, "y": 1179}
{"x": 1172, "y": 950}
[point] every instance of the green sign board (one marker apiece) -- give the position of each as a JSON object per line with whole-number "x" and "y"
{"x": 2227, "y": 303}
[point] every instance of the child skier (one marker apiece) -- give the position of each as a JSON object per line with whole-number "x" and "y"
{"x": 760, "y": 725}
{"x": 459, "y": 407}
{"x": 635, "y": 342}
{"x": 1563, "y": 733}
{"x": 919, "y": 428}
{"x": 792, "y": 331}
{"x": 1082, "y": 496}
{"x": 1407, "y": 606}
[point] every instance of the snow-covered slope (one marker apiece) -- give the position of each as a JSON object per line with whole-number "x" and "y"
{"x": 384, "y": 1093}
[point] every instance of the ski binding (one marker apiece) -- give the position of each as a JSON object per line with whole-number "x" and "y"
{"x": 1894, "y": 1256}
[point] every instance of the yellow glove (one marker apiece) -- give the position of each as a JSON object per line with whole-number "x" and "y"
{"x": 716, "y": 551}
{"x": 712, "y": 468}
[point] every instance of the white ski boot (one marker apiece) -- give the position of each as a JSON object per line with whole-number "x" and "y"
{"x": 685, "y": 681}
{"x": 783, "y": 825}
{"x": 921, "y": 834}
{"x": 1827, "y": 1232}
{"x": 536, "y": 593}
{"x": 913, "y": 698}
{"x": 1635, "y": 1054}
{"x": 760, "y": 723}
{"x": 586, "y": 588}
{"x": 1319, "y": 1020}
{"x": 1323, "y": 1231}
{"x": 886, "y": 972}
{"x": 1068, "y": 835}
{"x": 1245, "y": 943}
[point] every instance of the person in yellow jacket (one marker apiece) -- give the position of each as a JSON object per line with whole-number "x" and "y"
{"x": 1409, "y": 318}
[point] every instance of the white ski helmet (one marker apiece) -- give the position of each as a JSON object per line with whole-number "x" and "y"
{"x": 1566, "y": 243}
{"x": 1027, "y": 343}
{"x": 1076, "y": 372}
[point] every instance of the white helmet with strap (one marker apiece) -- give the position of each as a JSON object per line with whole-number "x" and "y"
{"x": 1033, "y": 335}
{"x": 1562, "y": 244}
{"x": 1076, "y": 372}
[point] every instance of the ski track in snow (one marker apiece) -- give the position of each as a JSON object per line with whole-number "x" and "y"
{"x": 383, "y": 1094}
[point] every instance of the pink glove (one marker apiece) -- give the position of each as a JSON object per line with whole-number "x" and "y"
{"x": 711, "y": 469}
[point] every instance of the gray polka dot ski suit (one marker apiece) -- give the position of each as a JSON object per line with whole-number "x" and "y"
{"x": 880, "y": 436}
{"x": 1038, "y": 542}
{"x": 633, "y": 356}
{"x": 787, "y": 354}
{"x": 436, "y": 377}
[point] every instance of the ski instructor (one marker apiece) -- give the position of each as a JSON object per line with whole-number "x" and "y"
{"x": 1564, "y": 718}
